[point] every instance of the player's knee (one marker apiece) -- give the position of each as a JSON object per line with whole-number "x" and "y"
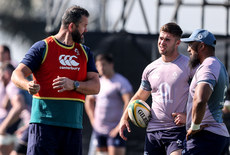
{"x": 101, "y": 153}
{"x": 20, "y": 148}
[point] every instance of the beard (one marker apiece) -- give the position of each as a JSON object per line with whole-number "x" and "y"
{"x": 194, "y": 61}
{"x": 77, "y": 37}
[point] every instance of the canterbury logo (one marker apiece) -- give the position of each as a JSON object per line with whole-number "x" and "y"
{"x": 67, "y": 60}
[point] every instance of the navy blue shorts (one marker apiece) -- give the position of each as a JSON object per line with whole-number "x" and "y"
{"x": 164, "y": 141}
{"x": 54, "y": 140}
{"x": 207, "y": 143}
{"x": 105, "y": 140}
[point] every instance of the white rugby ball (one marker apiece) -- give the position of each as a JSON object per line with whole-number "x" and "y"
{"x": 139, "y": 113}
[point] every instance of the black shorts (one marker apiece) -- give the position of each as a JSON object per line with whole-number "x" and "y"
{"x": 104, "y": 140}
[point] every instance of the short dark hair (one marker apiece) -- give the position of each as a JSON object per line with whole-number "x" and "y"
{"x": 7, "y": 66}
{"x": 6, "y": 48}
{"x": 172, "y": 28}
{"x": 105, "y": 56}
{"x": 73, "y": 15}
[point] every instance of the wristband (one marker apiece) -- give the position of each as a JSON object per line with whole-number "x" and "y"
{"x": 195, "y": 126}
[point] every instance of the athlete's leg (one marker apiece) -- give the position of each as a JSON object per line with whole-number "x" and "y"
{"x": 116, "y": 145}
{"x": 116, "y": 150}
{"x": 177, "y": 152}
{"x": 7, "y": 141}
{"x": 101, "y": 147}
{"x": 6, "y": 149}
{"x": 20, "y": 147}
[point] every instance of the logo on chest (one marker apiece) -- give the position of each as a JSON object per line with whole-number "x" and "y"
{"x": 69, "y": 62}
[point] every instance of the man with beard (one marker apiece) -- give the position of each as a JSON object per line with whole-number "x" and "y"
{"x": 63, "y": 73}
{"x": 167, "y": 81}
{"x": 206, "y": 132}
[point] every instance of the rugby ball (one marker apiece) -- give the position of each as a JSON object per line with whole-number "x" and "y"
{"x": 139, "y": 113}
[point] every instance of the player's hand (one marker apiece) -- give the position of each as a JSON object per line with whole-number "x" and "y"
{"x": 33, "y": 87}
{"x": 63, "y": 84}
{"x": 179, "y": 118}
{"x": 192, "y": 132}
{"x": 124, "y": 124}
{"x": 113, "y": 133}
